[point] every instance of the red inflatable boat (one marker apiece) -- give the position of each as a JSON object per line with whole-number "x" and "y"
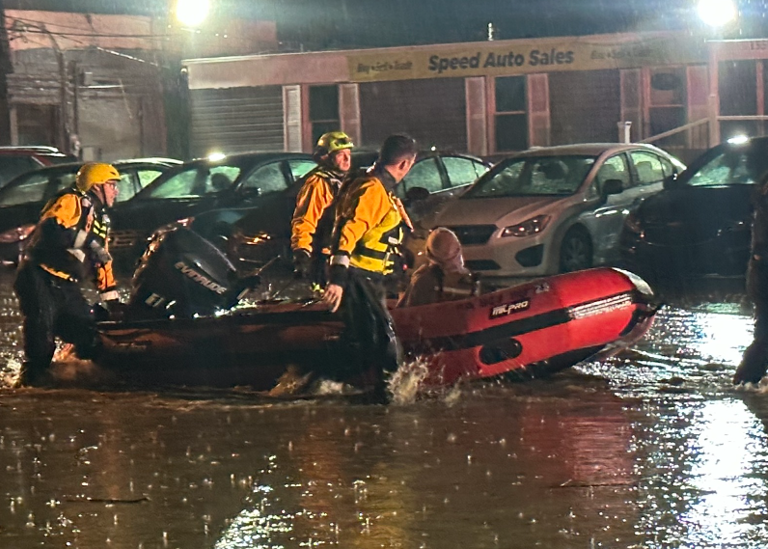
{"x": 531, "y": 330}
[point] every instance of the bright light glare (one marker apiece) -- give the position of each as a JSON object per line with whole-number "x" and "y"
{"x": 216, "y": 156}
{"x": 717, "y": 13}
{"x": 192, "y": 12}
{"x": 738, "y": 139}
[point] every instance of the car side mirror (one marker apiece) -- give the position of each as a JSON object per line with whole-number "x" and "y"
{"x": 670, "y": 180}
{"x": 613, "y": 186}
{"x": 250, "y": 191}
{"x": 415, "y": 194}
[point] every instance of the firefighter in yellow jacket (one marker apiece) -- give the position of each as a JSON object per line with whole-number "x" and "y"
{"x": 370, "y": 225}
{"x": 313, "y": 217}
{"x": 69, "y": 243}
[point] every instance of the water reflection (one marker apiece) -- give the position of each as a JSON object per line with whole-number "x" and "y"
{"x": 731, "y": 447}
{"x": 502, "y": 467}
{"x": 651, "y": 449}
{"x": 688, "y": 351}
{"x": 704, "y": 479}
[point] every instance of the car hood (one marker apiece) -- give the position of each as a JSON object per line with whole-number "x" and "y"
{"x": 687, "y": 215}
{"x": 497, "y": 211}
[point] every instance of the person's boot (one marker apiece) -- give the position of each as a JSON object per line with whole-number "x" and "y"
{"x": 31, "y": 375}
{"x": 748, "y": 372}
{"x": 291, "y": 383}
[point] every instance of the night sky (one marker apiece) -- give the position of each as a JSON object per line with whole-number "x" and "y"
{"x": 330, "y": 24}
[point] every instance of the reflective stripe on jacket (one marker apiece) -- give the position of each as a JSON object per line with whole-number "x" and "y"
{"x": 313, "y": 217}
{"x": 70, "y": 240}
{"x": 368, "y": 222}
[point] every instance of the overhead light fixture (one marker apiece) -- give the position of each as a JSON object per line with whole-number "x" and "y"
{"x": 192, "y": 13}
{"x": 717, "y": 13}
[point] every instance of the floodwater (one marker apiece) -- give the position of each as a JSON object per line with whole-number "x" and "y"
{"x": 652, "y": 449}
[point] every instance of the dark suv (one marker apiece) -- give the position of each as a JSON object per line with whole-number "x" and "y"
{"x": 698, "y": 227}
{"x": 237, "y": 181}
{"x": 254, "y": 234}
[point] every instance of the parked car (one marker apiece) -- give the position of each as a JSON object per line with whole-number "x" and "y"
{"x": 698, "y": 227}
{"x": 236, "y": 181}
{"x": 15, "y": 161}
{"x": 22, "y": 199}
{"x": 254, "y": 235}
{"x": 434, "y": 178}
{"x": 554, "y": 209}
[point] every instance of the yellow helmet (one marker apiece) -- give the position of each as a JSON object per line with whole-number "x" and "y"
{"x": 333, "y": 141}
{"x": 95, "y": 173}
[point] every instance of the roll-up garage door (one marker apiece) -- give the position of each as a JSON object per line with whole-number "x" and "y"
{"x": 585, "y": 106}
{"x": 237, "y": 120}
{"x": 431, "y": 111}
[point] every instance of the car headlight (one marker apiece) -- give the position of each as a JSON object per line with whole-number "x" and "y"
{"x": 17, "y": 234}
{"x": 528, "y": 227}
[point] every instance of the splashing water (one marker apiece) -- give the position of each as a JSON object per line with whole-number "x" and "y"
{"x": 406, "y": 383}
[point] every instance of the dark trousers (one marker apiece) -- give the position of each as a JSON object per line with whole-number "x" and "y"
{"x": 369, "y": 337}
{"x": 755, "y": 359}
{"x": 52, "y": 307}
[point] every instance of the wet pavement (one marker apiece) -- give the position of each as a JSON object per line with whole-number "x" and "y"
{"x": 652, "y": 449}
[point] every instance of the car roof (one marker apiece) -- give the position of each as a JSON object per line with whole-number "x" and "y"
{"x": 71, "y": 167}
{"x": 148, "y": 160}
{"x": 590, "y": 149}
{"x": 66, "y": 167}
{"x": 366, "y": 157}
{"x": 236, "y": 157}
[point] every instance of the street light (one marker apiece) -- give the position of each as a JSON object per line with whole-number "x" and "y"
{"x": 192, "y": 13}
{"x": 717, "y": 13}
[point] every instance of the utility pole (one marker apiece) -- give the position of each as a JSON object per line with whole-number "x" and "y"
{"x": 6, "y": 67}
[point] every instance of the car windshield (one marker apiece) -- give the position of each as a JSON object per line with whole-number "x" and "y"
{"x": 193, "y": 182}
{"x": 533, "y": 176}
{"x": 731, "y": 166}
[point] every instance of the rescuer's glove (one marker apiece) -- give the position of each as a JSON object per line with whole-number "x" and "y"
{"x": 302, "y": 264}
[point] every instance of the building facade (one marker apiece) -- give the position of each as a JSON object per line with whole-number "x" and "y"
{"x": 487, "y": 98}
{"x": 106, "y": 87}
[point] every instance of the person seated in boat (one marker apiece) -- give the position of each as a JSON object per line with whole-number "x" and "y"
{"x": 444, "y": 277}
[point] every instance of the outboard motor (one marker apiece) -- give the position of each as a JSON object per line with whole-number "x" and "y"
{"x": 182, "y": 274}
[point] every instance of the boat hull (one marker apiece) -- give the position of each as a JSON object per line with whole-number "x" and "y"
{"x": 530, "y": 330}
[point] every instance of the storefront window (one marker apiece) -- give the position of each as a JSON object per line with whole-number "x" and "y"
{"x": 323, "y": 110}
{"x": 668, "y": 104}
{"x": 510, "y": 118}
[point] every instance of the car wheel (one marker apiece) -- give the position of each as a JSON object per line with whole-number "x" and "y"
{"x": 575, "y": 251}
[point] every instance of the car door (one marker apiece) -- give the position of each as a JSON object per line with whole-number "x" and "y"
{"x": 426, "y": 174}
{"x": 649, "y": 172}
{"x": 263, "y": 180}
{"x": 141, "y": 177}
{"x": 20, "y": 204}
{"x": 460, "y": 172}
{"x": 606, "y": 219}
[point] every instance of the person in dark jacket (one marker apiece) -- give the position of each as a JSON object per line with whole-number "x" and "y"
{"x": 755, "y": 359}
{"x": 370, "y": 226}
{"x": 68, "y": 244}
{"x": 444, "y": 277}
